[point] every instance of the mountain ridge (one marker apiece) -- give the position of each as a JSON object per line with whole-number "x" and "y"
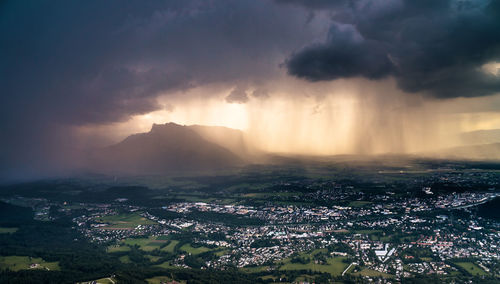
{"x": 166, "y": 147}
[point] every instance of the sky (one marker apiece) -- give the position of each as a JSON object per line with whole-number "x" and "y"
{"x": 299, "y": 76}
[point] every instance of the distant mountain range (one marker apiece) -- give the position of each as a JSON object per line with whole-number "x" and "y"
{"x": 174, "y": 148}
{"x": 486, "y": 152}
{"x": 481, "y": 137}
{"x": 477, "y": 145}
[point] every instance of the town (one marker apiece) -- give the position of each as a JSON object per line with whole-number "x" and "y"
{"x": 302, "y": 230}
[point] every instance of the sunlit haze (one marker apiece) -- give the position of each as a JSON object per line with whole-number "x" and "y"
{"x": 343, "y": 117}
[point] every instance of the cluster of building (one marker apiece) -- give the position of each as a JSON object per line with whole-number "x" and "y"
{"x": 377, "y": 242}
{"x": 383, "y": 231}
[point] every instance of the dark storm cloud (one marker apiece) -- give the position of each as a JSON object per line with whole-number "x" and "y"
{"x": 260, "y": 93}
{"x": 346, "y": 54}
{"x": 67, "y": 63}
{"x": 237, "y": 96}
{"x": 101, "y": 61}
{"x": 436, "y": 47}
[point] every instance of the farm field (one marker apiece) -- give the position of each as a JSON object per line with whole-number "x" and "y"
{"x": 124, "y": 221}
{"x": 125, "y": 259}
{"x": 194, "y": 250}
{"x": 145, "y": 244}
{"x": 358, "y": 203}
{"x": 118, "y": 249}
{"x": 166, "y": 265}
{"x": 17, "y": 263}
{"x": 471, "y": 268}
{"x": 335, "y": 266}
{"x": 373, "y": 273}
{"x": 170, "y": 247}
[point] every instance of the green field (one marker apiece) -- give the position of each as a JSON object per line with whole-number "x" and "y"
{"x": 17, "y": 263}
{"x": 471, "y": 268}
{"x": 145, "y": 244}
{"x": 221, "y": 252}
{"x": 367, "y": 232}
{"x": 254, "y": 269}
{"x": 358, "y": 203}
{"x": 118, "y": 249}
{"x": 170, "y": 247}
{"x": 153, "y": 258}
{"x": 166, "y": 265}
{"x": 161, "y": 279}
{"x": 373, "y": 273}
{"x": 192, "y": 250}
{"x": 335, "y": 265}
{"x": 4, "y": 230}
{"x": 269, "y": 277}
{"x": 125, "y": 259}
{"x": 124, "y": 221}
{"x": 304, "y": 278}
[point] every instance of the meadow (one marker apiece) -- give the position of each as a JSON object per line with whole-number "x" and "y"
{"x": 335, "y": 265}
{"x": 471, "y": 268}
{"x": 124, "y": 221}
{"x": 17, "y": 263}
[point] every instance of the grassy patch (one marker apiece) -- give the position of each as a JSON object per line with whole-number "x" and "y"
{"x": 221, "y": 252}
{"x": 124, "y": 221}
{"x": 153, "y": 258}
{"x": 471, "y": 268}
{"x": 166, "y": 265}
{"x": 373, "y": 273}
{"x": 170, "y": 247}
{"x": 125, "y": 259}
{"x": 112, "y": 249}
{"x": 269, "y": 277}
{"x": 367, "y": 232}
{"x": 192, "y": 250}
{"x": 335, "y": 265}
{"x": 145, "y": 244}
{"x": 4, "y": 230}
{"x": 17, "y": 263}
{"x": 254, "y": 269}
{"x": 358, "y": 203}
{"x": 304, "y": 278}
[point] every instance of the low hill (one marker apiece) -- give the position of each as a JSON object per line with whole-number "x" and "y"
{"x": 486, "y": 152}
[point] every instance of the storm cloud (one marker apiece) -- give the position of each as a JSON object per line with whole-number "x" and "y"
{"x": 68, "y": 65}
{"x": 237, "y": 96}
{"x": 65, "y": 64}
{"x": 434, "y": 47}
